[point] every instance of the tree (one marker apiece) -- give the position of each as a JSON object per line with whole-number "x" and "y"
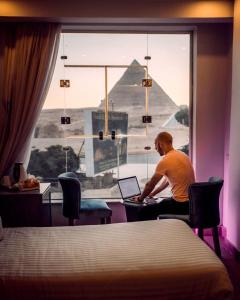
{"x": 52, "y": 162}
{"x": 182, "y": 116}
{"x": 185, "y": 149}
{"x": 50, "y": 130}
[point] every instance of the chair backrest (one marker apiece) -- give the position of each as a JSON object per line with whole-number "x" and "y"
{"x": 204, "y": 203}
{"x": 214, "y": 179}
{"x": 71, "y": 194}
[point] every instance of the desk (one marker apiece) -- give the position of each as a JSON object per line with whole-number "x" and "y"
{"x": 19, "y": 209}
{"x": 133, "y": 209}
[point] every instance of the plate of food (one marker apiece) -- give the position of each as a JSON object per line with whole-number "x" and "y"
{"x": 28, "y": 184}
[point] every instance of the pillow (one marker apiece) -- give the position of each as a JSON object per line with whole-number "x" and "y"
{"x": 1, "y": 230}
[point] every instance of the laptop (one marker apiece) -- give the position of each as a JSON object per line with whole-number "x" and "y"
{"x": 129, "y": 188}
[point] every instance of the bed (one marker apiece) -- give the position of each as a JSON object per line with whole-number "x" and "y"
{"x": 139, "y": 260}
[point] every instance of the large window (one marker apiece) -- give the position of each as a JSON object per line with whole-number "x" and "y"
{"x": 107, "y": 97}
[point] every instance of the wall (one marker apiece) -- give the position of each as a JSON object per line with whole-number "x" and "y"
{"x": 212, "y": 100}
{"x": 232, "y": 217}
{"x": 212, "y": 69}
{"x": 75, "y": 9}
{"x": 118, "y": 215}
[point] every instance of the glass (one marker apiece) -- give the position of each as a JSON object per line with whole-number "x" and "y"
{"x": 169, "y": 96}
{"x": 76, "y": 147}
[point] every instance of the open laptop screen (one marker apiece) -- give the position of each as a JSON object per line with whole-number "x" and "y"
{"x": 129, "y": 187}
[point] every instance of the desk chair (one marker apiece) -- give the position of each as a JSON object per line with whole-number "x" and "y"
{"x": 204, "y": 209}
{"x": 74, "y": 206}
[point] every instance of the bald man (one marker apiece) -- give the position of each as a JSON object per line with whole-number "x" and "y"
{"x": 176, "y": 170}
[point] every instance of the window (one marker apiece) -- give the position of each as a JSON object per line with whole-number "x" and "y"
{"x": 106, "y": 95}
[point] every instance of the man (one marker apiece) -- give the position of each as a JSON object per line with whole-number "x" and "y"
{"x": 176, "y": 170}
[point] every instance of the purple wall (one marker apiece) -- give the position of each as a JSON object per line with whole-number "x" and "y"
{"x": 232, "y": 201}
{"x": 212, "y": 99}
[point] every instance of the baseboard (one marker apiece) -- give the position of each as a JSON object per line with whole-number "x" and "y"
{"x": 233, "y": 250}
{"x": 221, "y": 231}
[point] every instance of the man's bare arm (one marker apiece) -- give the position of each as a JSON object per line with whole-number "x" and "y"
{"x": 161, "y": 187}
{"x": 150, "y": 185}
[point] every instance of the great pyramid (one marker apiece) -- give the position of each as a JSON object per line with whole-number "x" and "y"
{"x": 129, "y": 93}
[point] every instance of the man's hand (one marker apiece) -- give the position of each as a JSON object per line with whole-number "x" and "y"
{"x": 148, "y": 190}
{"x": 137, "y": 199}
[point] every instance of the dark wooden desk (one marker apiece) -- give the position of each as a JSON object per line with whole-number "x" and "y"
{"x": 19, "y": 209}
{"x": 133, "y": 210}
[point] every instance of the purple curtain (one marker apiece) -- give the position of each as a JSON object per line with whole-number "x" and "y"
{"x": 28, "y": 54}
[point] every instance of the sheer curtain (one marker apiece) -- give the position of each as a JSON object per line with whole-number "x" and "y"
{"x": 28, "y": 54}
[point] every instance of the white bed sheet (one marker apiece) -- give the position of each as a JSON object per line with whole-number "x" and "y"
{"x": 141, "y": 260}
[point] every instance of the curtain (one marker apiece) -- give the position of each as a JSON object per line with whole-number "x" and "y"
{"x": 28, "y": 53}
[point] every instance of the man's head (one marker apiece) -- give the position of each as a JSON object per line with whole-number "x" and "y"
{"x": 163, "y": 143}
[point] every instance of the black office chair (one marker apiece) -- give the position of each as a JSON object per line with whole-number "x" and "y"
{"x": 74, "y": 206}
{"x": 203, "y": 209}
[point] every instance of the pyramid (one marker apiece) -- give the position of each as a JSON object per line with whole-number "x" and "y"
{"x": 128, "y": 92}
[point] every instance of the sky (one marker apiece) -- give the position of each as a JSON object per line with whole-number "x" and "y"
{"x": 169, "y": 65}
